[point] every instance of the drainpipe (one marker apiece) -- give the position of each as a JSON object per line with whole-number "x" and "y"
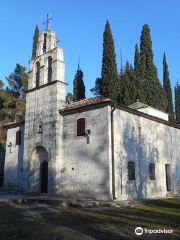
{"x": 112, "y": 150}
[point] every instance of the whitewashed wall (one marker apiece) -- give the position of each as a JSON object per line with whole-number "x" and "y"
{"x": 13, "y": 169}
{"x": 155, "y": 112}
{"x": 145, "y": 141}
{"x": 86, "y": 168}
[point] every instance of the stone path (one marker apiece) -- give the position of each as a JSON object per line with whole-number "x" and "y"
{"x": 64, "y": 202}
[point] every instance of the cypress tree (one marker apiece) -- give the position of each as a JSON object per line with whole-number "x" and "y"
{"x": 78, "y": 86}
{"x": 168, "y": 90}
{"x": 125, "y": 96}
{"x": 137, "y": 61}
{"x": 96, "y": 91}
{"x": 121, "y": 71}
{"x": 35, "y": 41}
{"x": 155, "y": 95}
{"x": 109, "y": 75}
{"x": 177, "y": 102}
{"x": 138, "y": 83}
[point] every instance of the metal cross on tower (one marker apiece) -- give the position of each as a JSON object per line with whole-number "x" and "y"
{"x": 48, "y": 21}
{"x": 57, "y": 40}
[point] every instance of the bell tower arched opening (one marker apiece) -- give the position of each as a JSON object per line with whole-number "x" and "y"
{"x": 49, "y": 69}
{"x": 37, "y": 74}
{"x": 44, "y": 43}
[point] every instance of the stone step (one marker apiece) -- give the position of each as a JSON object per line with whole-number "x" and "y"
{"x": 172, "y": 195}
{"x": 53, "y": 202}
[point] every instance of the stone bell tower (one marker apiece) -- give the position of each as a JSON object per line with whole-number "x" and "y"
{"x": 43, "y": 125}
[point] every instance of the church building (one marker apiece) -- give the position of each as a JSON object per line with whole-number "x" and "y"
{"x": 93, "y": 148}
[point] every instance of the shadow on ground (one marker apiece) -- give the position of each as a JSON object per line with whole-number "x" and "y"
{"x": 97, "y": 223}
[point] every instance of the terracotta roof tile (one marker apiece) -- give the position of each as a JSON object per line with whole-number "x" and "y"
{"x": 12, "y": 123}
{"x": 85, "y": 102}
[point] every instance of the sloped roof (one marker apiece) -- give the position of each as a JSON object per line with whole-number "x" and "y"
{"x": 13, "y": 124}
{"x": 85, "y": 102}
{"x": 138, "y": 105}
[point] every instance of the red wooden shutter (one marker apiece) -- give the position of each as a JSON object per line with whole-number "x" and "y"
{"x": 18, "y": 137}
{"x": 131, "y": 170}
{"x": 80, "y": 126}
{"x": 152, "y": 171}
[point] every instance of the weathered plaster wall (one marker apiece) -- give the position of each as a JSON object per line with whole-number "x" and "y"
{"x": 42, "y": 107}
{"x": 14, "y": 160}
{"x": 155, "y": 112}
{"x": 86, "y": 170}
{"x": 144, "y": 141}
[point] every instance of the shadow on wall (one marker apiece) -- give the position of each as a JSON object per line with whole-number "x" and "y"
{"x": 87, "y": 170}
{"x": 136, "y": 147}
{"x": 2, "y": 161}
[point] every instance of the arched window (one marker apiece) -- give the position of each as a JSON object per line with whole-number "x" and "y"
{"x": 44, "y": 44}
{"x": 49, "y": 69}
{"x": 37, "y": 73}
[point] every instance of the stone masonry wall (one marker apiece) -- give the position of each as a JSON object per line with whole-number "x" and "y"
{"x": 145, "y": 141}
{"x": 86, "y": 171}
{"x": 42, "y": 107}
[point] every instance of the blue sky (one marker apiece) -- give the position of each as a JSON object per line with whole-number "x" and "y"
{"x": 80, "y": 24}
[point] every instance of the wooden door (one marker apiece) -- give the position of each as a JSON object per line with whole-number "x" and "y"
{"x": 44, "y": 177}
{"x": 168, "y": 177}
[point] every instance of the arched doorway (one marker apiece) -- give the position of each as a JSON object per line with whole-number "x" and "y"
{"x": 44, "y": 177}
{"x": 38, "y": 171}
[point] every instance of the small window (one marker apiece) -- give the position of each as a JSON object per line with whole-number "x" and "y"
{"x": 131, "y": 171}
{"x": 18, "y": 138}
{"x": 152, "y": 171}
{"x": 80, "y": 126}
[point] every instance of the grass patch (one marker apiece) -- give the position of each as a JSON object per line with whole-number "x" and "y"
{"x": 73, "y": 223}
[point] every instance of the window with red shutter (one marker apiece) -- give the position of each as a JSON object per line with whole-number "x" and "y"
{"x": 18, "y": 137}
{"x": 80, "y": 126}
{"x": 152, "y": 171}
{"x": 131, "y": 170}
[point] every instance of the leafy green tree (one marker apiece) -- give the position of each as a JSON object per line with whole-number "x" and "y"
{"x": 1, "y": 84}
{"x": 78, "y": 86}
{"x": 109, "y": 76}
{"x": 168, "y": 90}
{"x": 35, "y": 41}
{"x": 155, "y": 95}
{"x": 177, "y": 102}
{"x": 18, "y": 82}
{"x": 1, "y": 92}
